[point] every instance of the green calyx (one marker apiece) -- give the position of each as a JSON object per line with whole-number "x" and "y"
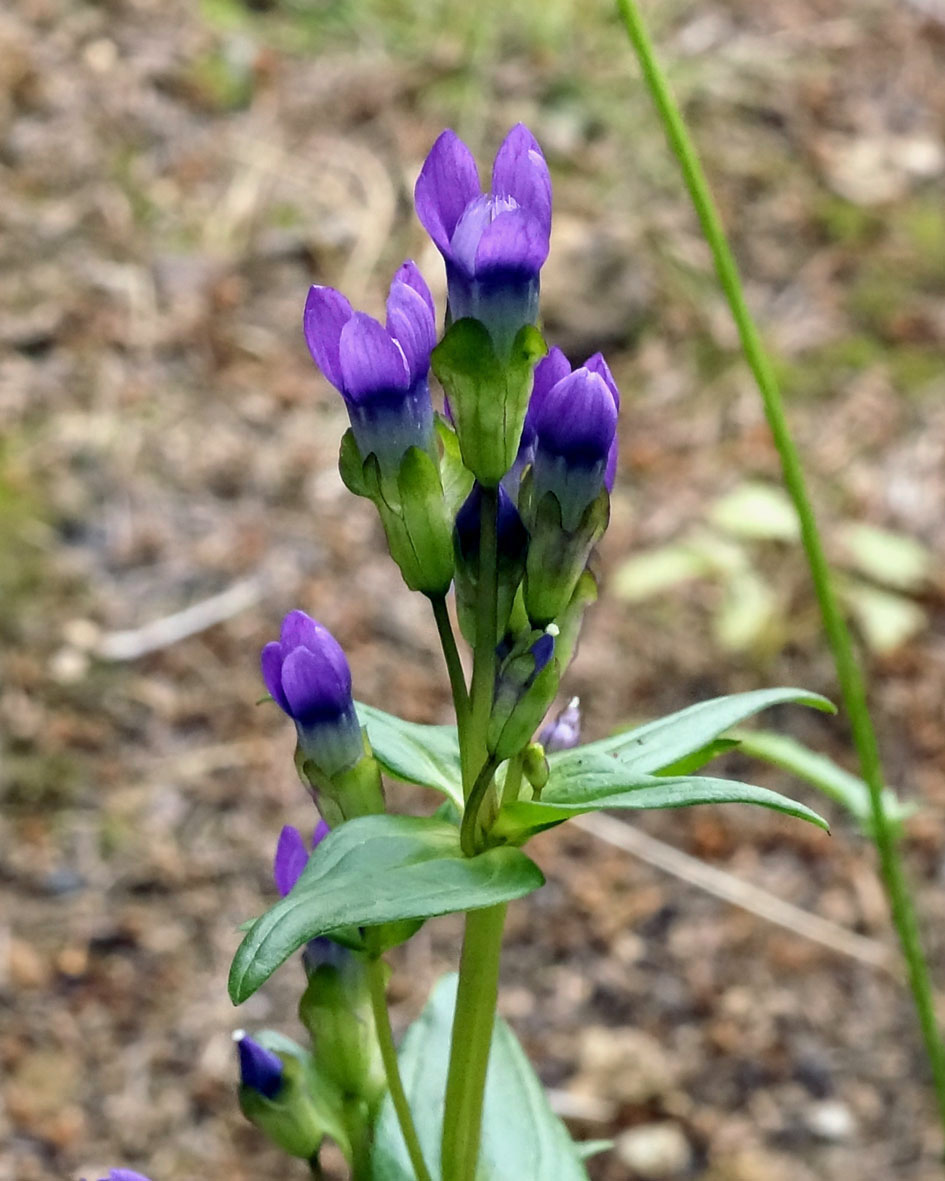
{"x": 556, "y": 556}
{"x": 355, "y": 791}
{"x": 488, "y": 397}
{"x": 413, "y": 512}
{"x": 306, "y": 1109}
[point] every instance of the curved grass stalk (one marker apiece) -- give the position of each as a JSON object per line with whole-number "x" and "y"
{"x": 849, "y": 675}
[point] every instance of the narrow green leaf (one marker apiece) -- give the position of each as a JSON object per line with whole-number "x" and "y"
{"x": 373, "y": 870}
{"x": 598, "y": 789}
{"x": 522, "y": 1138}
{"x": 661, "y": 743}
{"x": 427, "y": 755}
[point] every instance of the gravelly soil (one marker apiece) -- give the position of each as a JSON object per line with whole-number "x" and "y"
{"x": 169, "y": 185}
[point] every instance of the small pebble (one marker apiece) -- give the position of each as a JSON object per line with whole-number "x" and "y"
{"x": 655, "y": 1151}
{"x": 831, "y": 1121}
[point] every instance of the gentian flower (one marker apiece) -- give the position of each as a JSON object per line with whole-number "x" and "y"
{"x": 124, "y": 1175}
{"x": 564, "y": 731}
{"x": 292, "y": 855}
{"x": 260, "y": 1069}
{"x": 571, "y": 429}
{"x": 494, "y": 243}
{"x": 308, "y": 676}
{"x": 382, "y": 372}
{"x": 511, "y": 552}
{"x": 525, "y": 686}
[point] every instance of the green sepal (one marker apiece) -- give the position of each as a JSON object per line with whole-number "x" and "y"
{"x": 426, "y": 521}
{"x": 307, "y": 1107}
{"x": 336, "y": 1010}
{"x": 456, "y": 478}
{"x": 522, "y": 698}
{"x": 351, "y": 465}
{"x": 569, "y": 621}
{"x": 556, "y": 556}
{"x": 356, "y": 791}
{"x": 488, "y": 399}
{"x": 415, "y": 520}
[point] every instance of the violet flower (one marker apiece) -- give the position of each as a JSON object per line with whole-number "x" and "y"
{"x": 382, "y": 372}
{"x": 308, "y": 676}
{"x": 564, "y": 731}
{"x": 124, "y": 1175}
{"x": 260, "y": 1069}
{"x": 493, "y": 244}
{"x": 571, "y": 431}
{"x": 292, "y": 855}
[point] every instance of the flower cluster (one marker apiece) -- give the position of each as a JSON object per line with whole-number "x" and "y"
{"x": 500, "y": 497}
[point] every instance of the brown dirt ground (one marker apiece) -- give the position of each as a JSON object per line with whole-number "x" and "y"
{"x": 171, "y": 179}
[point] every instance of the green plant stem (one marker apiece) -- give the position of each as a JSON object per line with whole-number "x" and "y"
{"x": 377, "y": 982}
{"x": 472, "y": 1038}
{"x": 454, "y": 665}
{"x": 848, "y": 671}
{"x": 483, "y": 676}
{"x": 513, "y": 779}
{"x": 477, "y": 992}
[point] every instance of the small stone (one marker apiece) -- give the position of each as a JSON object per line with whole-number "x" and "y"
{"x": 655, "y": 1151}
{"x": 27, "y": 968}
{"x": 627, "y": 1065}
{"x": 831, "y": 1121}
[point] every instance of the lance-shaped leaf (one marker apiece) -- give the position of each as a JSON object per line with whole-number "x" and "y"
{"x": 661, "y": 743}
{"x": 374, "y": 870}
{"x": 521, "y": 1135}
{"x": 600, "y": 786}
{"x": 426, "y": 755}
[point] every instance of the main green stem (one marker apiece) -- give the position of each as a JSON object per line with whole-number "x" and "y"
{"x": 377, "y": 981}
{"x": 478, "y": 988}
{"x": 476, "y": 1000}
{"x": 848, "y": 671}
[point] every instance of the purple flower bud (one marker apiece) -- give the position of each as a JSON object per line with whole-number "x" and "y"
{"x": 575, "y": 425}
{"x": 260, "y": 1069}
{"x": 564, "y": 732}
{"x": 381, "y": 371}
{"x": 308, "y": 676}
{"x": 292, "y": 855}
{"x": 494, "y": 244}
{"x": 512, "y": 536}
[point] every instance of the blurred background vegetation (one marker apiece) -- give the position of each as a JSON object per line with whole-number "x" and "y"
{"x": 173, "y": 175}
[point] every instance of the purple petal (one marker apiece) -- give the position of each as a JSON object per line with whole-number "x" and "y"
{"x": 520, "y": 172}
{"x": 321, "y": 831}
{"x": 597, "y": 364}
{"x": 409, "y": 273}
{"x": 260, "y": 1068}
{"x": 514, "y": 241}
{"x": 371, "y": 362}
{"x": 549, "y": 371}
{"x": 448, "y": 181}
{"x": 610, "y": 471}
{"x": 271, "y": 660}
{"x": 301, "y": 631}
{"x": 542, "y": 650}
{"x": 410, "y": 322}
{"x": 577, "y": 419}
{"x": 124, "y": 1175}
{"x": 313, "y": 688}
{"x": 326, "y": 313}
{"x": 290, "y": 859}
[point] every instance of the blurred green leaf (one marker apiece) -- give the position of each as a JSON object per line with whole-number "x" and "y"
{"x": 886, "y": 619}
{"x": 756, "y": 512}
{"x": 892, "y": 559}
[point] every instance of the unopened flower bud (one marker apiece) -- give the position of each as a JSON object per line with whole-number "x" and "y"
{"x": 526, "y": 682}
{"x": 493, "y": 244}
{"x": 511, "y": 551}
{"x": 260, "y": 1069}
{"x": 382, "y": 372}
{"x": 307, "y": 674}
